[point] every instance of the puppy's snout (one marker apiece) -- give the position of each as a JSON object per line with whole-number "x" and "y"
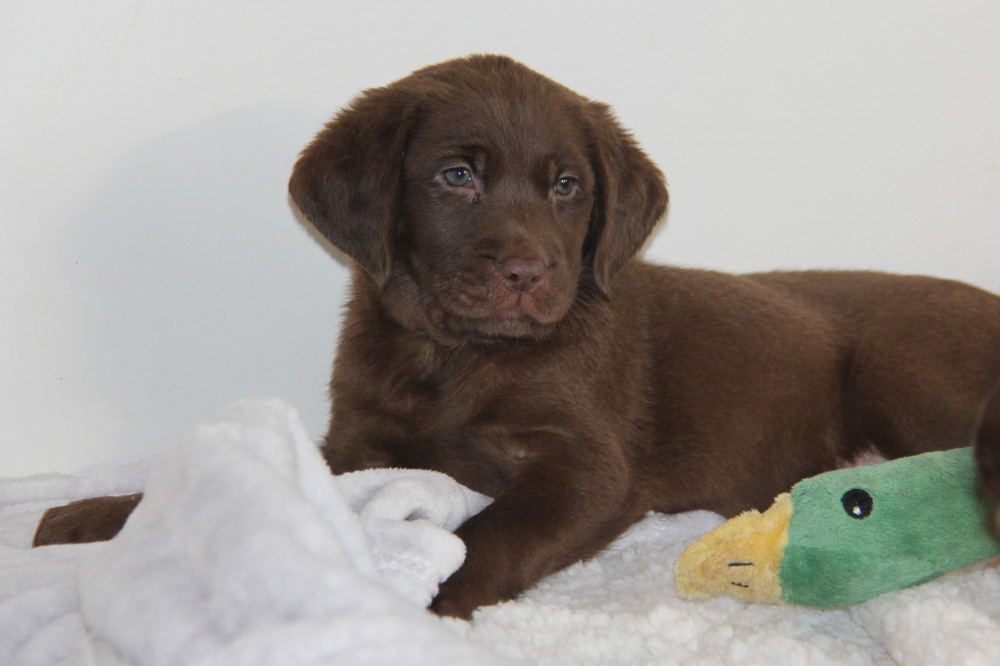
{"x": 524, "y": 274}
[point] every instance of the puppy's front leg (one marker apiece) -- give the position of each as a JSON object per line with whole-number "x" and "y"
{"x": 555, "y": 513}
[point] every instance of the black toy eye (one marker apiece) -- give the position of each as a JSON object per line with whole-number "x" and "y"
{"x": 564, "y": 186}
{"x": 857, "y": 503}
{"x": 458, "y": 177}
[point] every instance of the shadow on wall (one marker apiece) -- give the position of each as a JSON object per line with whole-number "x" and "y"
{"x": 212, "y": 288}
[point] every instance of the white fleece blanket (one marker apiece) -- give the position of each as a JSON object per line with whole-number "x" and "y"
{"x": 247, "y": 551}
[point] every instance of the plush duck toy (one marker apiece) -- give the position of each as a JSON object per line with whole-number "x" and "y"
{"x": 849, "y": 535}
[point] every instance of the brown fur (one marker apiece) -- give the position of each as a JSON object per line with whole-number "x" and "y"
{"x": 500, "y": 332}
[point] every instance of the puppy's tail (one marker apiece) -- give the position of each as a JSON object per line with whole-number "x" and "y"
{"x": 988, "y": 448}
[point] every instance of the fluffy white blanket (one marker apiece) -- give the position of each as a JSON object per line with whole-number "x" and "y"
{"x": 247, "y": 551}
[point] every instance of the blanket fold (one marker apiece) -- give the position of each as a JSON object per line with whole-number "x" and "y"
{"x": 245, "y": 547}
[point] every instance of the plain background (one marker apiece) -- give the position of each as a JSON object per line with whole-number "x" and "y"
{"x": 151, "y": 269}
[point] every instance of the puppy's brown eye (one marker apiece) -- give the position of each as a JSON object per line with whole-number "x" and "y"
{"x": 457, "y": 177}
{"x": 564, "y": 186}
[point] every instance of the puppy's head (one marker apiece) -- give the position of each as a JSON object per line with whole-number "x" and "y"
{"x": 483, "y": 193}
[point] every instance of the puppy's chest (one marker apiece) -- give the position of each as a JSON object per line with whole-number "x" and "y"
{"x": 471, "y": 414}
{"x": 458, "y": 395}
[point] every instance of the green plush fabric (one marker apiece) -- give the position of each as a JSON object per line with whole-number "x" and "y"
{"x": 927, "y": 517}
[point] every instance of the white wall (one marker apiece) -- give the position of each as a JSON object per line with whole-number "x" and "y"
{"x": 151, "y": 270}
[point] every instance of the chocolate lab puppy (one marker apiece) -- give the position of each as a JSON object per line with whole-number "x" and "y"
{"x": 500, "y": 331}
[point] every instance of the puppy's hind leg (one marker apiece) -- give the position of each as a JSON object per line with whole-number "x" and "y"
{"x": 918, "y": 383}
{"x": 97, "y": 519}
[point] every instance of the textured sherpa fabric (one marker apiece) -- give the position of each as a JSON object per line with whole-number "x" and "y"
{"x": 301, "y": 593}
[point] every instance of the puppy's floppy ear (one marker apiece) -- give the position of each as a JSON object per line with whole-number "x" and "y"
{"x": 347, "y": 181}
{"x": 632, "y": 196}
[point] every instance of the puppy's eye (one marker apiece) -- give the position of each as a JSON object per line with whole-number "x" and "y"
{"x": 564, "y": 186}
{"x": 457, "y": 177}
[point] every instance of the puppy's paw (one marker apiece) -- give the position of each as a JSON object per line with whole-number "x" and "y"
{"x": 447, "y": 607}
{"x": 85, "y": 521}
{"x": 452, "y": 602}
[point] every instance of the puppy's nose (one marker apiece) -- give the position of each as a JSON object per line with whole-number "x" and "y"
{"x": 524, "y": 274}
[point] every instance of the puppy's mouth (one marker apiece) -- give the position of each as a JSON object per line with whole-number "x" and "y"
{"x": 491, "y": 310}
{"x": 518, "y": 319}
